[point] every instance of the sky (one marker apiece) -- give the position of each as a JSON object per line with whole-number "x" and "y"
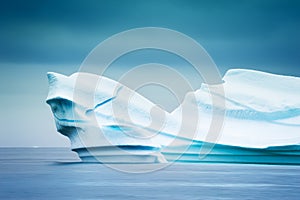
{"x": 40, "y": 36}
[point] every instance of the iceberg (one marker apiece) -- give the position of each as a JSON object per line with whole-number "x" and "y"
{"x": 108, "y": 122}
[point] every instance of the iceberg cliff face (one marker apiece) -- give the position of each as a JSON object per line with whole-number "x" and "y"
{"x": 262, "y": 109}
{"x": 265, "y": 96}
{"x": 84, "y": 113}
{"x": 262, "y": 120}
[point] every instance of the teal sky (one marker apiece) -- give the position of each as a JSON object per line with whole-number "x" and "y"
{"x": 40, "y": 36}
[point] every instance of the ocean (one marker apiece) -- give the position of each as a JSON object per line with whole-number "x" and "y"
{"x": 57, "y": 173}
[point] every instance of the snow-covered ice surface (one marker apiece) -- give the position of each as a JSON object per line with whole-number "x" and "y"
{"x": 261, "y": 124}
{"x": 262, "y": 109}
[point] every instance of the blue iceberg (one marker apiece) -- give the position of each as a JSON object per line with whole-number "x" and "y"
{"x": 110, "y": 123}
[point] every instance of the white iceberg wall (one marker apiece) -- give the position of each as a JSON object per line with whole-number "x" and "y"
{"x": 257, "y": 91}
{"x": 87, "y": 108}
{"x": 262, "y": 109}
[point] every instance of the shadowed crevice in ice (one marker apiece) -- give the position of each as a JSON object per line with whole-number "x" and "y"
{"x": 104, "y": 102}
{"x": 100, "y": 104}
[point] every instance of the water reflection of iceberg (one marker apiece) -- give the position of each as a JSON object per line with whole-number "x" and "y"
{"x": 262, "y": 120}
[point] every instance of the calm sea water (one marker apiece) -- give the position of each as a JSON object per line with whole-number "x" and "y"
{"x": 55, "y": 173}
